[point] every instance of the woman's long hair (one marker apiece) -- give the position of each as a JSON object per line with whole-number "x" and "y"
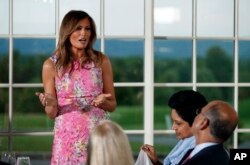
{"x": 63, "y": 50}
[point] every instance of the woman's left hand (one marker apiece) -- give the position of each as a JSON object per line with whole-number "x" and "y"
{"x": 101, "y": 99}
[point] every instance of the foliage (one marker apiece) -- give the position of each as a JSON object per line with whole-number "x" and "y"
{"x": 244, "y": 68}
{"x": 216, "y": 67}
{"x": 172, "y": 70}
{"x": 27, "y": 68}
{"x": 4, "y": 68}
{"x": 127, "y": 69}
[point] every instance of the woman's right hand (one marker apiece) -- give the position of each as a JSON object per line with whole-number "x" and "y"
{"x": 151, "y": 152}
{"x": 46, "y": 99}
{"x": 50, "y": 104}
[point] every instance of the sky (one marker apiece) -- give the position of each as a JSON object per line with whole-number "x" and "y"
{"x": 126, "y": 17}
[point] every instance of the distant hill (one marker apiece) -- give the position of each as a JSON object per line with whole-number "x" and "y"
{"x": 129, "y": 47}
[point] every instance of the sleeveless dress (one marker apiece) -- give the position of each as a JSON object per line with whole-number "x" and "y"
{"x": 76, "y": 116}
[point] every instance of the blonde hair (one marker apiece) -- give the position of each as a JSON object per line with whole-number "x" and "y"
{"x": 109, "y": 145}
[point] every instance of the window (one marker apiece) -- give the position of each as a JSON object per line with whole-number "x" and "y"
{"x": 156, "y": 48}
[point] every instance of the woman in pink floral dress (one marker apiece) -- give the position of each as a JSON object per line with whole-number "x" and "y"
{"x": 78, "y": 88}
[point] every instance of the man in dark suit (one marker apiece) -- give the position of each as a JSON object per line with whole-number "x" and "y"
{"x": 211, "y": 128}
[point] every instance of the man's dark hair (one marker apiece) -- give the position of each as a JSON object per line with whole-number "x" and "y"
{"x": 187, "y": 103}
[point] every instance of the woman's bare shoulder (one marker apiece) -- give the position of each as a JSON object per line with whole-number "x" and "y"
{"x": 105, "y": 59}
{"x": 48, "y": 64}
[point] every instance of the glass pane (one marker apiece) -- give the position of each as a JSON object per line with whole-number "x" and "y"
{"x": 170, "y": 16}
{"x": 29, "y": 55}
{"x": 163, "y": 144}
{"x": 244, "y": 61}
{"x": 28, "y": 113}
{"x": 173, "y": 60}
{"x": 4, "y": 17}
{"x": 218, "y": 93}
{"x": 162, "y": 119}
{"x": 124, "y": 17}
{"x": 97, "y": 45}
{"x": 215, "y": 61}
{"x": 4, "y": 109}
{"x": 215, "y": 18}
{"x": 92, "y": 7}
{"x": 244, "y": 104}
{"x": 129, "y": 112}
{"x": 4, "y": 60}
{"x": 33, "y": 17}
{"x": 127, "y": 59}
{"x": 38, "y": 148}
{"x": 3, "y": 143}
{"x": 136, "y": 141}
{"x": 244, "y": 141}
{"x": 244, "y": 21}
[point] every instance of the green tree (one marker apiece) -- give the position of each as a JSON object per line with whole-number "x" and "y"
{"x": 4, "y": 68}
{"x": 220, "y": 64}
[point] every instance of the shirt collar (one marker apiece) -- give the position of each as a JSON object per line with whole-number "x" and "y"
{"x": 200, "y": 147}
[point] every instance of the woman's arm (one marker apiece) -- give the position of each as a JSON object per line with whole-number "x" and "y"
{"x": 107, "y": 100}
{"x": 49, "y": 99}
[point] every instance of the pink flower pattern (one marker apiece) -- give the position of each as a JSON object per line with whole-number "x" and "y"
{"x": 77, "y": 117}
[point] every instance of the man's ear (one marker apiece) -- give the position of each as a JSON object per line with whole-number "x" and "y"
{"x": 204, "y": 123}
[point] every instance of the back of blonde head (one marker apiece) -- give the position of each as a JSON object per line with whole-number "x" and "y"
{"x": 109, "y": 145}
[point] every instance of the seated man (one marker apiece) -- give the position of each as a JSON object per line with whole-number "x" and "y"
{"x": 211, "y": 128}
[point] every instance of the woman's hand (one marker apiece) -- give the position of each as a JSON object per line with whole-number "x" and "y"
{"x": 151, "y": 152}
{"x": 49, "y": 102}
{"x": 47, "y": 99}
{"x": 101, "y": 99}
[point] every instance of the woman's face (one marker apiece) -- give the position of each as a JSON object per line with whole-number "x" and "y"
{"x": 79, "y": 39}
{"x": 180, "y": 126}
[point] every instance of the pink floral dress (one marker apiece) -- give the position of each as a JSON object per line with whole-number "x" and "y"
{"x": 77, "y": 117}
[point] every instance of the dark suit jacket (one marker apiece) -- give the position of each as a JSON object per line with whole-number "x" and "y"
{"x": 212, "y": 155}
